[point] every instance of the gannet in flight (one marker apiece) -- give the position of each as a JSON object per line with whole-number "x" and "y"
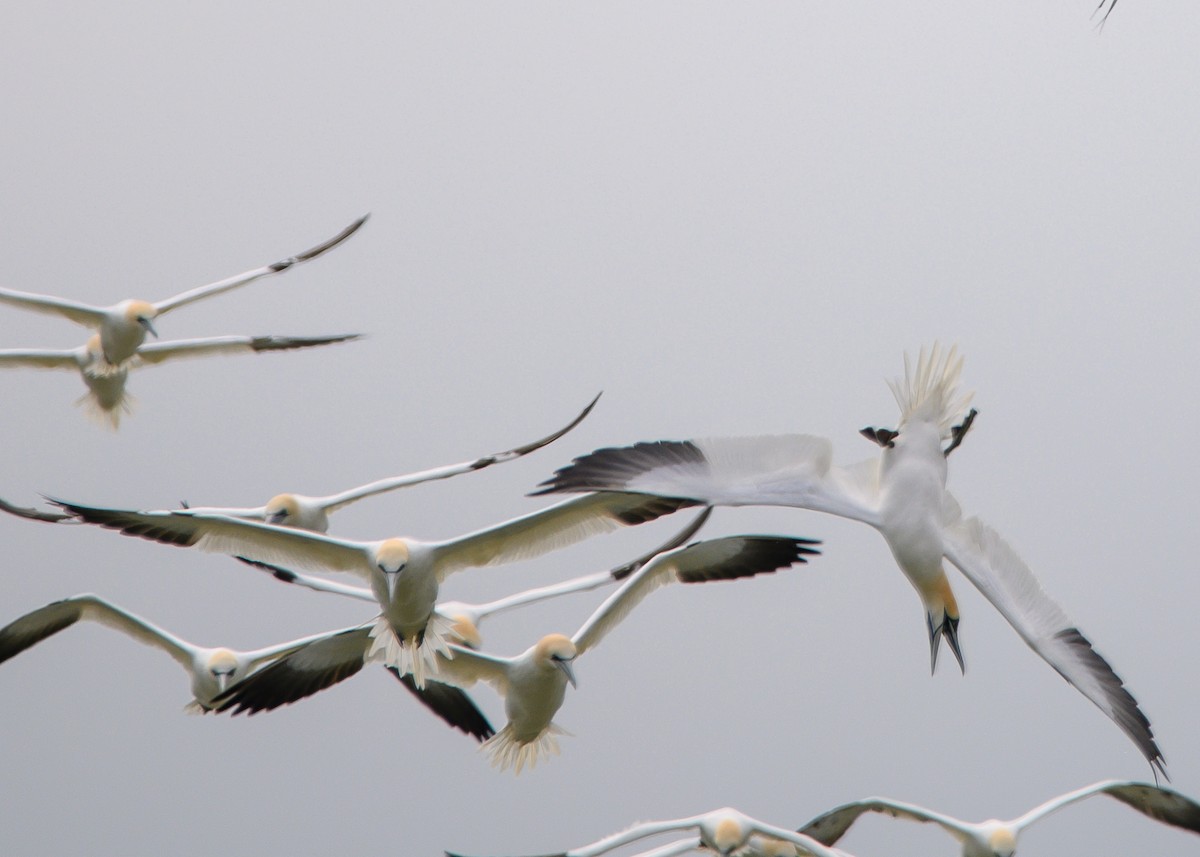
{"x": 123, "y": 326}
{"x": 212, "y": 670}
{"x": 404, "y": 573}
{"x": 725, "y": 831}
{"x": 323, "y": 663}
{"x": 995, "y": 838}
{"x": 312, "y": 513}
{"x": 106, "y": 399}
{"x": 216, "y": 670}
{"x": 903, "y": 495}
{"x": 756, "y": 846}
{"x": 534, "y": 683}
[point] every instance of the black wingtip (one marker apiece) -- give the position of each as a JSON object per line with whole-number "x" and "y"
{"x": 1126, "y": 712}
{"x": 611, "y": 468}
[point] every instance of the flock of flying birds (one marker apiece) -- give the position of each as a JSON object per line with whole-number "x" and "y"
{"x": 435, "y": 648}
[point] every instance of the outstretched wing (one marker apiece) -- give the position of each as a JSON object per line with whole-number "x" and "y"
{"x": 85, "y": 314}
{"x": 716, "y": 559}
{"x": 331, "y": 659}
{"x": 1005, "y": 580}
{"x": 450, "y": 703}
{"x": 223, "y": 534}
{"x": 193, "y": 295}
{"x": 778, "y": 470}
{"x": 34, "y": 514}
{"x": 1165, "y": 805}
{"x": 160, "y": 352}
{"x": 310, "y": 669}
{"x": 336, "y": 501}
{"x": 41, "y": 358}
{"x": 46, "y": 621}
{"x": 577, "y": 584}
{"x": 831, "y": 826}
{"x": 316, "y": 584}
{"x": 549, "y": 529}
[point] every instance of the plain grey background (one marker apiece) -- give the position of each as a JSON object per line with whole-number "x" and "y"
{"x": 733, "y": 219}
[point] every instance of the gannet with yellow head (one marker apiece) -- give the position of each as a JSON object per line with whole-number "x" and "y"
{"x": 212, "y": 670}
{"x": 124, "y": 325}
{"x": 725, "y": 831}
{"x": 903, "y": 495}
{"x": 324, "y": 663}
{"x": 106, "y": 400}
{"x": 996, "y": 838}
{"x": 534, "y": 683}
{"x": 404, "y": 574}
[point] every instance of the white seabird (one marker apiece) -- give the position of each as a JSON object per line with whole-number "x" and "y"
{"x": 903, "y": 495}
{"x": 404, "y": 573}
{"x": 534, "y": 683}
{"x": 123, "y": 326}
{"x": 325, "y": 662}
{"x": 995, "y": 838}
{"x": 724, "y": 831}
{"x": 106, "y": 399}
{"x": 213, "y": 670}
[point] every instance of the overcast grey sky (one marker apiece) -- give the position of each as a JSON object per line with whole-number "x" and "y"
{"x": 733, "y": 219}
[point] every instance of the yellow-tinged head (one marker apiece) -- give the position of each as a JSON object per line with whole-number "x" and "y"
{"x": 556, "y": 651}
{"x": 1003, "y": 842}
{"x": 222, "y": 663}
{"x": 466, "y": 631}
{"x": 727, "y": 836}
{"x": 142, "y": 313}
{"x": 282, "y": 509}
{"x": 392, "y": 555}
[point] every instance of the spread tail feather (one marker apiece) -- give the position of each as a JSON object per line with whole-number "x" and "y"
{"x": 930, "y": 392}
{"x": 506, "y": 752}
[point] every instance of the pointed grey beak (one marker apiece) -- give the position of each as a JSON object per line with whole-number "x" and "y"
{"x": 222, "y": 681}
{"x": 568, "y": 671}
{"x": 149, "y": 325}
{"x": 389, "y": 577}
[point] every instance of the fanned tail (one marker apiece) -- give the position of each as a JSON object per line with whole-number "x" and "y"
{"x": 410, "y": 657}
{"x": 931, "y": 392}
{"x": 506, "y": 752}
{"x": 109, "y": 417}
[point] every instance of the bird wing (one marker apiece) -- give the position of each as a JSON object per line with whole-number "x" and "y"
{"x": 80, "y": 313}
{"x": 242, "y": 279}
{"x": 672, "y": 849}
{"x": 450, "y": 703}
{"x": 40, "y": 358}
{"x": 580, "y": 584}
{"x": 1165, "y": 805}
{"x": 716, "y": 559}
{"x": 315, "y": 666}
{"x": 159, "y": 352}
{"x": 336, "y": 501}
{"x": 46, "y": 621}
{"x": 804, "y": 844}
{"x": 632, "y": 834}
{"x": 317, "y": 584}
{"x": 548, "y": 529}
{"x": 34, "y": 514}
{"x": 775, "y": 470}
{"x": 831, "y": 826}
{"x": 469, "y": 666}
{"x": 237, "y": 536}
{"x": 1004, "y": 579}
